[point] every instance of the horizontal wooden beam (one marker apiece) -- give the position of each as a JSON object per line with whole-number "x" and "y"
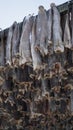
{"x": 65, "y": 6}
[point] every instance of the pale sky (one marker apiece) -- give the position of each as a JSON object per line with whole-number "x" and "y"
{"x": 16, "y": 10}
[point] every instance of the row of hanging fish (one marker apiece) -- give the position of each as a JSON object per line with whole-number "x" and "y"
{"x": 36, "y": 73}
{"x": 40, "y": 35}
{"x": 31, "y": 102}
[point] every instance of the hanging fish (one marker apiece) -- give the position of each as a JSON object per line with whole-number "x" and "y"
{"x": 8, "y": 45}
{"x": 52, "y": 105}
{"x": 44, "y": 86}
{"x": 71, "y": 97}
{"x": 72, "y": 26}
{"x": 15, "y": 40}
{"x": 57, "y": 32}
{"x": 42, "y": 31}
{"x": 36, "y": 59}
{"x": 67, "y": 36}
{"x": 49, "y": 27}
{"x": 2, "y": 49}
{"x": 24, "y": 48}
{"x": 50, "y": 44}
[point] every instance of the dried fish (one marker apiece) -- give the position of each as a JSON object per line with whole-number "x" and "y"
{"x": 24, "y": 48}
{"x": 36, "y": 58}
{"x": 36, "y": 84}
{"x": 2, "y": 49}
{"x": 9, "y": 45}
{"x": 41, "y": 31}
{"x": 57, "y": 31}
{"x": 50, "y": 27}
{"x": 72, "y": 26}
{"x": 15, "y": 41}
{"x": 44, "y": 86}
{"x": 71, "y": 101}
{"x": 67, "y": 35}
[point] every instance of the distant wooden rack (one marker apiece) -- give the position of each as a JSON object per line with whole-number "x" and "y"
{"x": 65, "y": 6}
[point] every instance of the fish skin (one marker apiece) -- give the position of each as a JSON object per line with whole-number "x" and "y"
{"x": 8, "y": 45}
{"x": 50, "y": 27}
{"x": 24, "y": 48}
{"x": 36, "y": 59}
{"x": 15, "y": 40}
{"x": 2, "y": 50}
{"x": 42, "y": 31}
{"x": 72, "y": 27}
{"x": 67, "y": 36}
{"x": 71, "y": 101}
{"x": 57, "y": 31}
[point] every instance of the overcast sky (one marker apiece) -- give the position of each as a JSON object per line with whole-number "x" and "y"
{"x": 15, "y": 10}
